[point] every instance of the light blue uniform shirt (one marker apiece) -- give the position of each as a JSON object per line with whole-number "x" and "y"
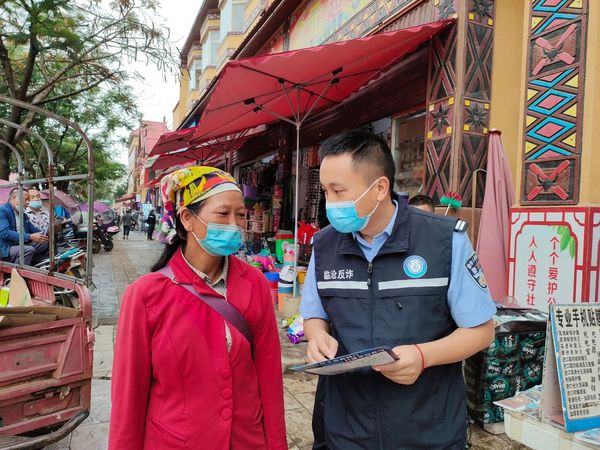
{"x": 469, "y": 304}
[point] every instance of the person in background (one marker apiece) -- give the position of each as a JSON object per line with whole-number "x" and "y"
{"x": 60, "y": 212}
{"x": 187, "y": 375}
{"x": 36, "y": 243}
{"x": 384, "y": 274}
{"x": 127, "y": 221}
{"x": 167, "y": 225}
{"x": 37, "y": 214}
{"x": 422, "y": 202}
{"x": 151, "y": 222}
{"x": 136, "y": 219}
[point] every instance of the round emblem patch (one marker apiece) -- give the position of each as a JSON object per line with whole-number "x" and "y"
{"x": 415, "y": 266}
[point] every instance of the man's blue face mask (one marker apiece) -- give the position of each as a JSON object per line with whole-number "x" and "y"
{"x": 221, "y": 239}
{"x": 344, "y": 217}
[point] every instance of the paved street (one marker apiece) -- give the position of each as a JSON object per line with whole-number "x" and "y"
{"x": 112, "y": 273}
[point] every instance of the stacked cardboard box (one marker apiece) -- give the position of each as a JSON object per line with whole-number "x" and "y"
{"x": 514, "y": 362}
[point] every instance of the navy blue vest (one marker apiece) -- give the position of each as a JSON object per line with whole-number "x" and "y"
{"x": 398, "y": 299}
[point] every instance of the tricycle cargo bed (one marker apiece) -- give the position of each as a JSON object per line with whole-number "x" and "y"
{"x": 45, "y": 359}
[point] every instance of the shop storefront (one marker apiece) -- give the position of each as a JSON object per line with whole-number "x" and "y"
{"x": 496, "y": 66}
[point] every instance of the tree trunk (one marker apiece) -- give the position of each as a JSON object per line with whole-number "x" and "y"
{"x": 9, "y": 136}
{"x": 5, "y": 153}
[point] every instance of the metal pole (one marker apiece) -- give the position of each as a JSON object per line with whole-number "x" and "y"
{"x": 21, "y": 225}
{"x": 44, "y": 180}
{"x": 88, "y": 144}
{"x": 296, "y": 195}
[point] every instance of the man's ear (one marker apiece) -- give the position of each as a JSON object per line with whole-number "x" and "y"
{"x": 383, "y": 189}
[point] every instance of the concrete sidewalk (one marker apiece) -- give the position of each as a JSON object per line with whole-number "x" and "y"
{"x": 113, "y": 272}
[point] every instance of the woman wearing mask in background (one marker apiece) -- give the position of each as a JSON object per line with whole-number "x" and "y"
{"x": 185, "y": 374}
{"x": 37, "y": 214}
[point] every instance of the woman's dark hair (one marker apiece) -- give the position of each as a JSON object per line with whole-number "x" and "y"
{"x": 365, "y": 148}
{"x": 178, "y": 241}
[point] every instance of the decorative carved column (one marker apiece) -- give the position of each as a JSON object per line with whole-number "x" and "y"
{"x": 554, "y": 102}
{"x": 458, "y": 99}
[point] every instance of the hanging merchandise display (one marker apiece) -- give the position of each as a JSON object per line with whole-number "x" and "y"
{"x": 313, "y": 196}
{"x": 257, "y": 181}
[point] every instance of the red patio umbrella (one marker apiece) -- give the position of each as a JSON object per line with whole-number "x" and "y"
{"x": 289, "y": 86}
{"x": 174, "y": 140}
{"x": 492, "y": 243}
{"x": 185, "y": 156}
{"x": 206, "y": 151}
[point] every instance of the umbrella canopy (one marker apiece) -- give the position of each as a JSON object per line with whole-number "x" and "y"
{"x": 174, "y": 140}
{"x": 61, "y": 198}
{"x": 264, "y": 89}
{"x": 183, "y": 157}
{"x": 99, "y": 207}
{"x": 204, "y": 152}
{"x": 106, "y": 213}
{"x": 492, "y": 244}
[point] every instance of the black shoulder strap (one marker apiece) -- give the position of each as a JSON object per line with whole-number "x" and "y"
{"x": 219, "y": 305}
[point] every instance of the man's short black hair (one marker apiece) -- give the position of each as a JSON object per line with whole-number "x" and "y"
{"x": 419, "y": 200}
{"x": 13, "y": 192}
{"x": 365, "y": 148}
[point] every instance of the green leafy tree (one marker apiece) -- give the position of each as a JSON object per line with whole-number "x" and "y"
{"x": 120, "y": 190}
{"x": 70, "y": 56}
{"x": 101, "y": 114}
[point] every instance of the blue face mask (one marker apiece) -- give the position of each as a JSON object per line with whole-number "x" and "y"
{"x": 35, "y": 204}
{"x": 220, "y": 240}
{"x": 344, "y": 217}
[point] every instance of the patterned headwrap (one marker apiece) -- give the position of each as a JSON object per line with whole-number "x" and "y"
{"x": 194, "y": 184}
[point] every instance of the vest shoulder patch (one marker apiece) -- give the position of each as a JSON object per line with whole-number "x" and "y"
{"x": 461, "y": 226}
{"x": 473, "y": 268}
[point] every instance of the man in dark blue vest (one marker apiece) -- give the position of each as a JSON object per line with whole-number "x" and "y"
{"x": 386, "y": 274}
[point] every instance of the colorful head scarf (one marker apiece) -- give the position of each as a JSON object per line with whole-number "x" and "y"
{"x": 194, "y": 184}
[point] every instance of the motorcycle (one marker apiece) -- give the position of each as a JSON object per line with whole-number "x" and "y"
{"x": 101, "y": 238}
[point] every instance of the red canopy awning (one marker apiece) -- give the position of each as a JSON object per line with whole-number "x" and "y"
{"x": 264, "y": 89}
{"x": 205, "y": 152}
{"x": 174, "y": 140}
{"x": 190, "y": 155}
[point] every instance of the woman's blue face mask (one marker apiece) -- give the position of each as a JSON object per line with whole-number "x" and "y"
{"x": 221, "y": 239}
{"x": 344, "y": 217}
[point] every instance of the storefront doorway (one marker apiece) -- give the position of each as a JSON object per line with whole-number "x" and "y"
{"x": 408, "y": 150}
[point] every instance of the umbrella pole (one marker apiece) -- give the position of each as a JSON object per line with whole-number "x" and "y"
{"x": 474, "y": 204}
{"x": 296, "y": 195}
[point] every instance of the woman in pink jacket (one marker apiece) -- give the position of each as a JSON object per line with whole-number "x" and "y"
{"x": 184, "y": 377}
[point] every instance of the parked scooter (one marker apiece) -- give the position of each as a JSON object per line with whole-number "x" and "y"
{"x": 111, "y": 231}
{"x": 101, "y": 239}
{"x": 71, "y": 262}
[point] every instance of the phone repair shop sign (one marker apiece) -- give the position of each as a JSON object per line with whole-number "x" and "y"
{"x": 546, "y": 258}
{"x": 572, "y": 367}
